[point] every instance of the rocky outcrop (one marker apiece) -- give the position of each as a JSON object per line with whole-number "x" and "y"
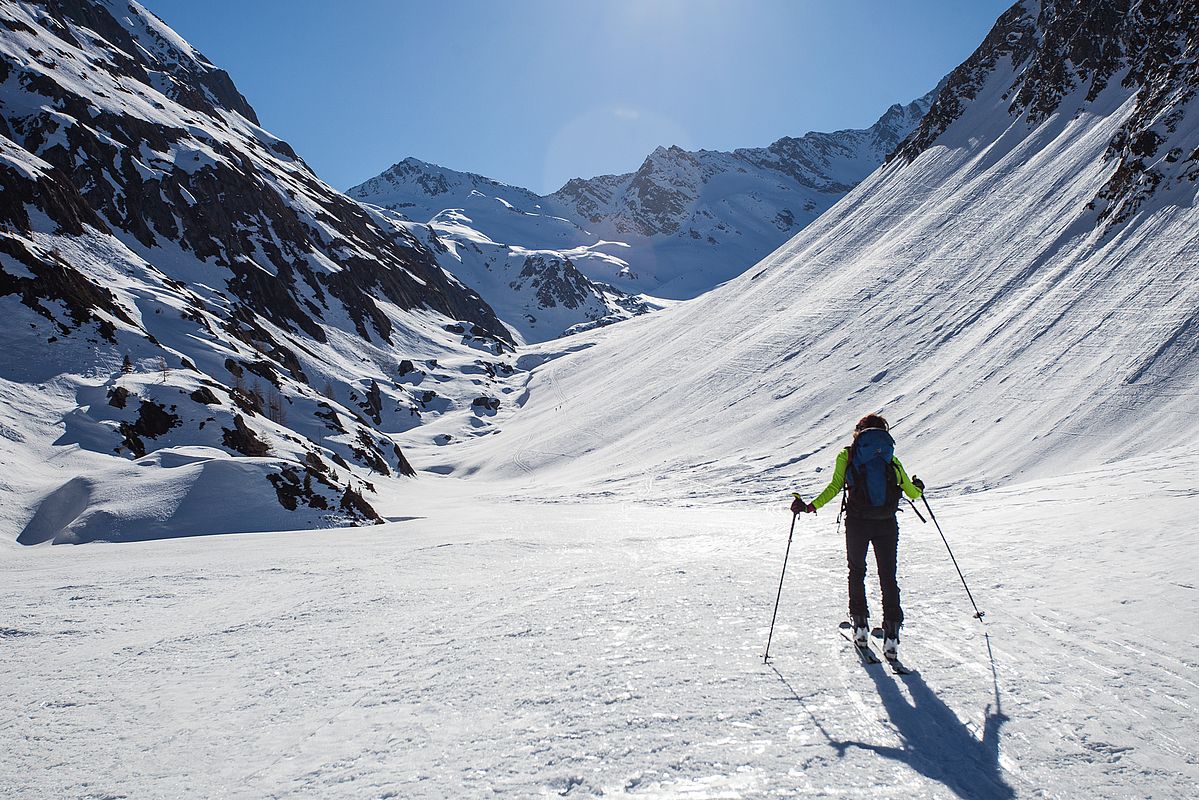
{"x": 1065, "y": 52}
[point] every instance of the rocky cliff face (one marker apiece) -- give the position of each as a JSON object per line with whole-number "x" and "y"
{"x": 150, "y": 227}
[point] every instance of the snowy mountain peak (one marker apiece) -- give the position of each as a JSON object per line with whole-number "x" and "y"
{"x": 683, "y": 222}
{"x": 720, "y": 212}
{"x": 898, "y": 121}
{"x": 504, "y": 242}
{"x": 433, "y": 181}
{"x": 668, "y": 153}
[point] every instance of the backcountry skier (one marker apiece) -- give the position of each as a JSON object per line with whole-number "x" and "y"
{"x": 873, "y": 478}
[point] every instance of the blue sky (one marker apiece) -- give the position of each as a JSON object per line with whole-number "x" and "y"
{"x": 533, "y": 92}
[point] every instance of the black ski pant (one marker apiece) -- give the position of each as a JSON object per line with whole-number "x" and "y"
{"x": 883, "y": 534}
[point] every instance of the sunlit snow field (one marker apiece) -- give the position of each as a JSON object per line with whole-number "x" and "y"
{"x": 490, "y": 647}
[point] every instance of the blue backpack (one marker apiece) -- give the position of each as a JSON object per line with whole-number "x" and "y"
{"x": 871, "y": 481}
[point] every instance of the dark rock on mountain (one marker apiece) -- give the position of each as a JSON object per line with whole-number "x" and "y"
{"x": 1059, "y": 48}
{"x": 242, "y": 440}
{"x": 1012, "y": 38}
{"x": 153, "y": 420}
{"x": 555, "y": 281}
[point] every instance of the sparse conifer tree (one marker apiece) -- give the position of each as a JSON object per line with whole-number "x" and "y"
{"x": 274, "y": 407}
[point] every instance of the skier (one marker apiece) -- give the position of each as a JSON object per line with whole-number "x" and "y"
{"x": 873, "y": 478}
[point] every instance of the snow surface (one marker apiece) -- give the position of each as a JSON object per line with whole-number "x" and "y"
{"x": 482, "y": 646}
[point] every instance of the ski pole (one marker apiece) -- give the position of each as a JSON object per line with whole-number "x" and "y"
{"x": 766, "y": 656}
{"x": 977, "y": 614}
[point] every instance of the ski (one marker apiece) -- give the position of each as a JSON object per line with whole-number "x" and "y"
{"x": 895, "y": 664}
{"x": 866, "y": 654}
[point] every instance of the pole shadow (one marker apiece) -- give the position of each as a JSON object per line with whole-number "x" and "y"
{"x": 936, "y": 743}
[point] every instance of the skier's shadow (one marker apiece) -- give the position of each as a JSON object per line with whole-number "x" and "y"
{"x": 936, "y": 743}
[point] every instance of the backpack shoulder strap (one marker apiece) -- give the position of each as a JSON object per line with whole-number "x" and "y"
{"x": 845, "y": 484}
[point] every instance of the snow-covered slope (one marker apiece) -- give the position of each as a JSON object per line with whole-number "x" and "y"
{"x": 678, "y": 226}
{"x": 981, "y": 291}
{"x": 180, "y": 289}
{"x": 539, "y": 294}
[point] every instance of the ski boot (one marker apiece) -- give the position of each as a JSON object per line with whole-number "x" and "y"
{"x": 891, "y": 640}
{"x": 861, "y": 631}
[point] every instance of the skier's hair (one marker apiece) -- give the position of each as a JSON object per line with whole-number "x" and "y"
{"x": 870, "y": 421}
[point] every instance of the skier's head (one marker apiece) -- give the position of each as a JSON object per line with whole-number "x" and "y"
{"x": 870, "y": 421}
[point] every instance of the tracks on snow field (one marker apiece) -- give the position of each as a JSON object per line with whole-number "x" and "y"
{"x": 574, "y": 650}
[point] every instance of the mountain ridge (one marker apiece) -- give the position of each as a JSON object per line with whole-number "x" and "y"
{"x": 689, "y": 220}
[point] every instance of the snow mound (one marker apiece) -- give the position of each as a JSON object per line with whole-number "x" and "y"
{"x": 189, "y": 491}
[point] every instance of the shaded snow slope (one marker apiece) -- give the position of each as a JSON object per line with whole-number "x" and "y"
{"x": 678, "y": 226}
{"x": 977, "y": 296}
{"x": 522, "y": 650}
{"x": 175, "y": 278}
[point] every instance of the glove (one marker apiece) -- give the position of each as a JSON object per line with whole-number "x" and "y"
{"x": 919, "y": 484}
{"x": 800, "y": 507}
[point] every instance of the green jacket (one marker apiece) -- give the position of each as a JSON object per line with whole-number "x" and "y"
{"x": 838, "y": 482}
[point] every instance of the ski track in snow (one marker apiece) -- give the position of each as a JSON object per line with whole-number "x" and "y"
{"x": 525, "y": 649}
